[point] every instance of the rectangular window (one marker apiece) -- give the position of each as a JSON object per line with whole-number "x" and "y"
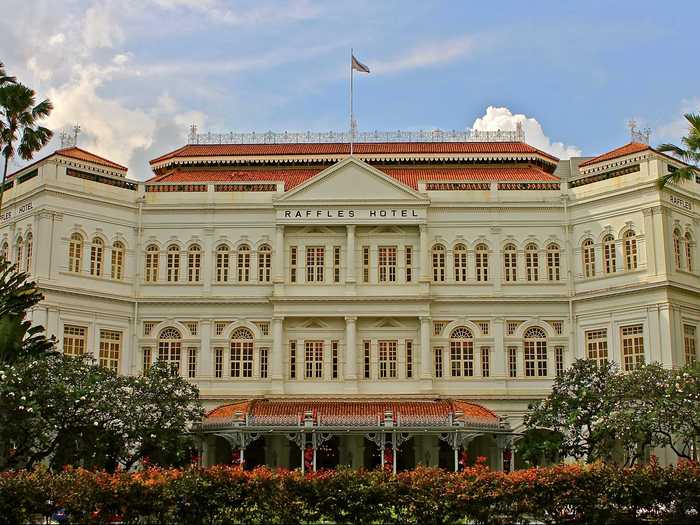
{"x": 438, "y": 327}
{"x": 365, "y": 264}
{"x": 292, "y": 359}
{"x": 74, "y": 339}
{"x": 460, "y": 263}
{"x": 409, "y": 359}
{"x": 485, "y": 362}
{"x": 147, "y": 327}
{"x": 191, "y": 362}
{"x": 632, "y": 346}
{"x": 512, "y": 326}
{"x": 110, "y": 346}
{"x": 408, "y": 254}
{"x": 219, "y": 327}
{"x": 462, "y": 358}
{"x": 242, "y": 359}
{"x": 264, "y": 327}
{"x": 690, "y": 344}
{"x": 264, "y": 264}
{"x": 597, "y": 346}
{"x": 553, "y": 265}
{"x": 314, "y": 264}
{"x": 218, "y": 362}
{"x": 559, "y": 360}
{"x": 263, "y": 362}
{"x": 173, "y": 260}
{"x": 334, "y": 359}
{"x": 532, "y": 269}
{"x": 483, "y": 326}
{"x": 222, "y": 264}
{"x": 510, "y": 265}
{"x": 535, "y": 357}
{"x": 482, "y": 263}
{"x": 313, "y": 359}
{"x": 292, "y": 264}
{"x": 336, "y": 264}
{"x": 512, "y": 361}
{"x": 387, "y": 264}
{"x": 387, "y": 359}
{"x": 438, "y": 361}
{"x": 194, "y": 264}
{"x": 146, "y": 363}
{"x": 367, "y": 359}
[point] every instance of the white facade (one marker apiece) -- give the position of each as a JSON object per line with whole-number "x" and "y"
{"x": 362, "y": 297}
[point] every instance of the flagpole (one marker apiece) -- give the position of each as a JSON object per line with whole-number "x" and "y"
{"x": 351, "y": 97}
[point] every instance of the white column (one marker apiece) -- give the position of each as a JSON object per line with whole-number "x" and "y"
{"x": 424, "y": 254}
{"x": 425, "y": 353}
{"x": 350, "y": 254}
{"x": 350, "y": 373}
{"x": 277, "y": 357}
{"x": 499, "y": 358}
{"x": 206, "y": 355}
{"x": 278, "y": 255}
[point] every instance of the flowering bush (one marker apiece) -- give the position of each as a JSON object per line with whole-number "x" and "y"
{"x": 595, "y": 493}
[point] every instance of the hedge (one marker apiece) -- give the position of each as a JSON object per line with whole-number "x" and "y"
{"x": 576, "y": 493}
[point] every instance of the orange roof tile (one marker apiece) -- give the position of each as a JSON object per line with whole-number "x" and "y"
{"x": 81, "y": 154}
{"x": 628, "y": 149}
{"x": 410, "y": 412}
{"x": 408, "y": 176}
{"x": 363, "y": 148}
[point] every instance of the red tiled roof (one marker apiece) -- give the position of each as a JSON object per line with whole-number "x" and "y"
{"x": 81, "y": 154}
{"x": 362, "y": 148}
{"x": 409, "y": 176}
{"x": 270, "y": 411}
{"x": 628, "y": 149}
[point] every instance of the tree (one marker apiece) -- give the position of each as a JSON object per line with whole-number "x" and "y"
{"x": 20, "y": 132}
{"x": 4, "y": 78}
{"x": 18, "y": 338}
{"x": 575, "y": 409}
{"x": 690, "y": 155}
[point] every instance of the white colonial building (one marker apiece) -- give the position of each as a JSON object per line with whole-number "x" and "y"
{"x": 411, "y": 298}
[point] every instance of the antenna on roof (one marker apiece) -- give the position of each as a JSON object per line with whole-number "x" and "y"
{"x": 519, "y": 132}
{"x": 192, "y": 137}
{"x": 69, "y": 139}
{"x": 638, "y": 135}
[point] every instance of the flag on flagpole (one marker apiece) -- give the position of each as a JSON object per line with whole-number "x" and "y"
{"x": 359, "y": 66}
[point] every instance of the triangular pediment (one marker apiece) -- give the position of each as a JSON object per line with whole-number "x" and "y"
{"x": 351, "y": 179}
{"x": 388, "y": 322}
{"x": 314, "y": 323}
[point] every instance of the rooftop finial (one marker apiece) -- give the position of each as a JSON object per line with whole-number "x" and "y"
{"x": 192, "y": 138}
{"x": 69, "y": 139}
{"x": 638, "y": 135}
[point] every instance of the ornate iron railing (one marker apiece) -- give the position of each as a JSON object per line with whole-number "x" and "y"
{"x": 269, "y": 137}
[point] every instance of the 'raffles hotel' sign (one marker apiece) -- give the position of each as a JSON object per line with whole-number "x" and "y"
{"x": 368, "y": 214}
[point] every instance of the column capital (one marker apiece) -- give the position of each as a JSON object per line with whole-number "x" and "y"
{"x": 424, "y": 318}
{"x": 277, "y": 318}
{"x": 279, "y": 227}
{"x": 350, "y": 227}
{"x": 350, "y": 318}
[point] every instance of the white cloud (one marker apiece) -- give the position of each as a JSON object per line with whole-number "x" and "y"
{"x": 427, "y": 55}
{"x": 57, "y": 39}
{"x": 675, "y": 129}
{"x": 503, "y": 118}
{"x": 101, "y": 27}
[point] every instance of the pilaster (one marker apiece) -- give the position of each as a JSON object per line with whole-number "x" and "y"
{"x": 350, "y": 274}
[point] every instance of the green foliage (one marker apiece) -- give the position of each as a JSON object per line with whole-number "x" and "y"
{"x": 601, "y": 413}
{"x": 596, "y": 493}
{"x": 18, "y": 339}
{"x": 689, "y": 154}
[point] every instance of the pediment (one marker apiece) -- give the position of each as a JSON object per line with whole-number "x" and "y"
{"x": 388, "y": 322}
{"x": 351, "y": 180}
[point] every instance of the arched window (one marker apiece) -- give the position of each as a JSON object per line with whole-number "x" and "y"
{"x": 28, "y": 256}
{"x": 75, "y": 253}
{"x": 117, "y": 260}
{"x": 438, "y": 263}
{"x": 243, "y": 264}
{"x": 20, "y": 253}
{"x": 609, "y": 255}
{"x": 152, "y": 256}
{"x": 553, "y": 262}
{"x": 5, "y": 250}
{"x": 264, "y": 263}
{"x": 535, "y": 352}
{"x": 588, "y": 254}
{"x": 169, "y": 348}
{"x": 222, "y": 262}
{"x": 688, "y": 252}
{"x": 677, "y": 248}
{"x": 97, "y": 257}
{"x": 173, "y": 263}
{"x": 194, "y": 263}
{"x": 630, "y": 248}
{"x": 532, "y": 262}
{"x": 462, "y": 352}
{"x": 242, "y": 353}
{"x": 510, "y": 264}
{"x": 482, "y": 262}
{"x": 460, "y": 263}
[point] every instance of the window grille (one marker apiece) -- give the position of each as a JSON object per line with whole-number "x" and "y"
{"x": 313, "y": 359}
{"x": 28, "y": 256}
{"x": 292, "y": 359}
{"x": 146, "y": 362}
{"x": 482, "y": 262}
{"x": 483, "y": 327}
{"x": 387, "y": 264}
{"x": 110, "y": 348}
{"x": 148, "y": 327}
{"x": 535, "y": 346}
{"x": 152, "y": 263}
{"x": 192, "y": 326}
{"x": 677, "y": 248}
{"x": 510, "y": 263}
{"x": 169, "y": 347}
{"x": 173, "y": 266}
{"x": 512, "y": 361}
{"x": 336, "y": 264}
{"x": 409, "y": 359}
{"x": 609, "y": 255}
{"x": 218, "y": 362}
{"x": 461, "y": 353}
{"x": 365, "y": 264}
{"x": 553, "y": 262}
{"x": 630, "y": 247}
{"x": 75, "y": 253}
{"x": 387, "y": 359}
{"x": 588, "y": 253}
{"x": 242, "y": 353}
{"x": 512, "y": 326}
{"x": 532, "y": 262}
{"x": 559, "y": 360}
{"x": 438, "y": 361}
{"x": 191, "y": 362}
{"x": 263, "y": 326}
{"x": 223, "y": 260}
{"x": 315, "y": 264}
{"x": 293, "y": 264}
{"x": 243, "y": 263}
{"x": 597, "y": 346}
{"x": 367, "y": 359}
{"x": 264, "y": 353}
{"x": 689, "y": 245}
{"x": 485, "y": 361}
{"x": 558, "y": 326}
{"x": 194, "y": 263}
{"x": 438, "y": 263}
{"x": 220, "y": 327}
{"x": 117, "y": 260}
{"x": 334, "y": 360}
{"x": 74, "y": 340}
{"x": 438, "y": 327}
{"x": 460, "y": 263}
{"x": 690, "y": 344}
{"x": 264, "y": 263}
{"x": 408, "y": 255}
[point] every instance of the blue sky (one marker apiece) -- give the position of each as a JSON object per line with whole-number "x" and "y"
{"x": 136, "y": 73}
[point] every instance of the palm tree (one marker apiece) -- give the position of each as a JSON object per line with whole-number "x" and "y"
{"x": 4, "y": 79}
{"x": 690, "y": 156}
{"x": 19, "y": 116}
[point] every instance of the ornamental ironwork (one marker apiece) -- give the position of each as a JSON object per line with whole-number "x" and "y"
{"x": 309, "y": 137}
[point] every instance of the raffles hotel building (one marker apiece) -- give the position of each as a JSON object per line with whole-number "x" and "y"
{"x": 399, "y": 305}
